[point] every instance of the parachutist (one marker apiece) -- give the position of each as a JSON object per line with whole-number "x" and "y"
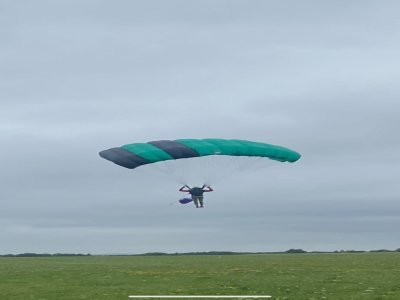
{"x": 196, "y": 193}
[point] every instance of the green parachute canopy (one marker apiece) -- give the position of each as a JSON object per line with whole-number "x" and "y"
{"x": 135, "y": 155}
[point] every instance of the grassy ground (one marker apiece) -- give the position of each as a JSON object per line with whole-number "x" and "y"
{"x": 284, "y": 276}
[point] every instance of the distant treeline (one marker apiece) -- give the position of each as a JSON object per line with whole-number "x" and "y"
{"x": 197, "y": 253}
{"x": 277, "y": 252}
{"x": 43, "y": 254}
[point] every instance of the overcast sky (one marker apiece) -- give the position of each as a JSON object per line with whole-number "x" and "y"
{"x": 319, "y": 77}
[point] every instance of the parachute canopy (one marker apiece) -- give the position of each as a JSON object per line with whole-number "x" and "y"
{"x": 134, "y": 155}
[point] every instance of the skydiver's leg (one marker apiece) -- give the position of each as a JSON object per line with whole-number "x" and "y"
{"x": 195, "y": 201}
{"x": 201, "y": 201}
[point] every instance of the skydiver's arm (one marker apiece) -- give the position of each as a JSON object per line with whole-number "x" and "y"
{"x": 209, "y": 189}
{"x": 182, "y": 189}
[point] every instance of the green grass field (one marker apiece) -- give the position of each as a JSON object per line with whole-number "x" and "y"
{"x": 283, "y": 276}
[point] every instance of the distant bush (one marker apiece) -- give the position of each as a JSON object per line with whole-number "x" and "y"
{"x": 296, "y": 251}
